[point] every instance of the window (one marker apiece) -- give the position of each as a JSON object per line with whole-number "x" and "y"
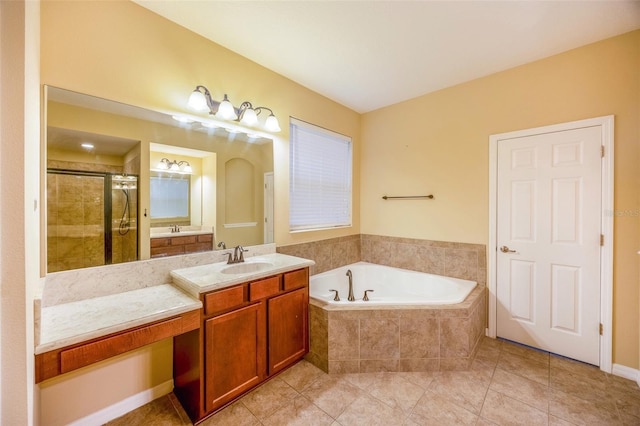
{"x": 169, "y": 197}
{"x": 319, "y": 178}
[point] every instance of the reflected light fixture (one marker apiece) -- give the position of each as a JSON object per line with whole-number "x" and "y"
{"x": 201, "y": 100}
{"x": 174, "y": 166}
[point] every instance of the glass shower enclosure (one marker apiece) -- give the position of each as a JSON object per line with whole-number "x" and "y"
{"x": 92, "y": 219}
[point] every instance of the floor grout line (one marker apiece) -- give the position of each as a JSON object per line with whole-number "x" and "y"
{"x": 485, "y": 376}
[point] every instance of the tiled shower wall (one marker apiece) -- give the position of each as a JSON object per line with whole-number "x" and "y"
{"x": 75, "y": 222}
{"x": 75, "y": 217}
{"x": 458, "y": 260}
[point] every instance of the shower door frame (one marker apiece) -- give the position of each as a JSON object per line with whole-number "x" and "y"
{"x": 107, "y": 207}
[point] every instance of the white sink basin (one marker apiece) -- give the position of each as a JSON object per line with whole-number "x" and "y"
{"x": 247, "y": 267}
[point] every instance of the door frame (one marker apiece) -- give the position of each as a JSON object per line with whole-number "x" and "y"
{"x": 606, "y": 216}
{"x": 268, "y": 210}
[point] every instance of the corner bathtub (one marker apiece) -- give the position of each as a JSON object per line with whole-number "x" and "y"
{"x": 391, "y": 286}
{"x": 412, "y": 322}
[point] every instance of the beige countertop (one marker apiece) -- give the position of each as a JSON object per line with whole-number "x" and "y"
{"x": 201, "y": 279}
{"x": 75, "y": 322}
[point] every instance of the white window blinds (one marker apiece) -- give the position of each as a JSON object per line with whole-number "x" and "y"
{"x": 319, "y": 178}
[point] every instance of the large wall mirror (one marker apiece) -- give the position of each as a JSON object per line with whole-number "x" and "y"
{"x": 118, "y": 175}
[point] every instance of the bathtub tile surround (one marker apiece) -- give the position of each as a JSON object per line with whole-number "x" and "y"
{"x": 458, "y": 260}
{"x": 328, "y": 254}
{"x": 419, "y": 338}
{"x": 436, "y": 338}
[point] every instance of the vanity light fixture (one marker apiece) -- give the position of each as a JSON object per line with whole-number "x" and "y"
{"x": 174, "y": 166}
{"x": 247, "y": 114}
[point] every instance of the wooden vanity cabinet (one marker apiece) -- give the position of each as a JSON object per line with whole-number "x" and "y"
{"x": 249, "y": 332}
{"x": 288, "y": 328}
{"x": 171, "y": 246}
{"x": 234, "y": 354}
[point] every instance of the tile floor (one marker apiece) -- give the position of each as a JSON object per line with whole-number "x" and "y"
{"x": 508, "y": 384}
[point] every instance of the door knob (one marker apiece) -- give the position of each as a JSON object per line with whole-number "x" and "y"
{"x": 506, "y": 249}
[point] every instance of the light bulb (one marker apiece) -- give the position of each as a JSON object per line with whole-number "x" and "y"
{"x": 187, "y": 168}
{"x": 197, "y": 101}
{"x": 175, "y": 167}
{"x": 249, "y": 118}
{"x": 181, "y": 119}
{"x": 162, "y": 165}
{"x": 272, "y": 124}
{"x": 226, "y": 110}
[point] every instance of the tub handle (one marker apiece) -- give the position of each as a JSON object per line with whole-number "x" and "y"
{"x": 337, "y": 297}
{"x": 366, "y": 298}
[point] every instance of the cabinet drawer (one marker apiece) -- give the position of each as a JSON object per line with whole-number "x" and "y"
{"x": 205, "y": 238}
{"x": 295, "y": 279}
{"x": 264, "y": 288}
{"x": 223, "y": 300}
{"x": 63, "y": 360}
{"x": 197, "y": 247}
{"x": 160, "y": 242}
{"x": 189, "y": 239}
{"x": 166, "y": 251}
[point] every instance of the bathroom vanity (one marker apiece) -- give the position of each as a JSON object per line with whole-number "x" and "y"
{"x": 189, "y": 239}
{"x": 233, "y": 325}
{"x": 181, "y": 244}
{"x": 254, "y": 324}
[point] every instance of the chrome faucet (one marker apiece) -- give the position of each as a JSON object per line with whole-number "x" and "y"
{"x": 238, "y": 254}
{"x": 350, "y": 275}
{"x": 222, "y": 245}
{"x": 175, "y": 228}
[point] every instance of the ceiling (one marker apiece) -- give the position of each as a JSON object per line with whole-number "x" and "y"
{"x": 370, "y": 54}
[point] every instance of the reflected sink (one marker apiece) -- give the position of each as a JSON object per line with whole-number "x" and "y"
{"x": 245, "y": 268}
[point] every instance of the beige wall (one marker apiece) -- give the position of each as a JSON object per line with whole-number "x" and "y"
{"x": 19, "y": 207}
{"x": 120, "y": 51}
{"x": 436, "y": 143}
{"x": 153, "y": 63}
{"x": 83, "y": 393}
{"x": 439, "y": 143}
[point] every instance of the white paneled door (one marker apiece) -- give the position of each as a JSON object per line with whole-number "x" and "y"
{"x": 548, "y": 234}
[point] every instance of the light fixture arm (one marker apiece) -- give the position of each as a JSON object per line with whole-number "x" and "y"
{"x": 182, "y": 165}
{"x": 243, "y": 108}
{"x": 258, "y": 110}
{"x": 245, "y": 114}
{"x": 212, "y": 104}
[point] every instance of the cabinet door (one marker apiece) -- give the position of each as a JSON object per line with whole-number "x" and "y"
{"x": 235, "y": 349}
{"x": 288, "y": 328}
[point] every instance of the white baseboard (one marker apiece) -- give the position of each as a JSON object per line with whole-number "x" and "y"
{"x": 123, "y": 407}
{"x": 626, "y": 372}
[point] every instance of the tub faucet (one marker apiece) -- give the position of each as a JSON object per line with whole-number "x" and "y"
{"x": 350, "y": 275}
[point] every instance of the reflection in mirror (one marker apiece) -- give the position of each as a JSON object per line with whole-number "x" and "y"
{"x": 92, "y": 199}
{"x": 107, "y": 203}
